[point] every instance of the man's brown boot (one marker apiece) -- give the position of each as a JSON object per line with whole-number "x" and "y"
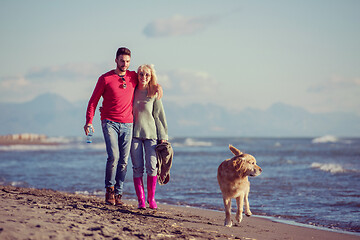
{"x": 118, "y": 201}
{"x": 110, "y": 196}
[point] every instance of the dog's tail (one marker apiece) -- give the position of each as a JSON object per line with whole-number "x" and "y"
{"x": 234, "y": 150}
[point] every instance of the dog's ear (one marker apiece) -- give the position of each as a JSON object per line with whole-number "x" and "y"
{"x": 238, "y": 164}
{"x": 234, "y": 150}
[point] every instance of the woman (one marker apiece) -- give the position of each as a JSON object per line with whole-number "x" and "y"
{"x": 150, "y": 127}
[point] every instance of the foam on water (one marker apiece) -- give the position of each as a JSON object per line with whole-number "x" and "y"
{"x": 58, "y": 140}
{"x": 325, "y": 139}
{"x": 97, "y": 146}
{"x": 15, "y": 183}
{"x": 190, "y": 142}
{"x": 82, "y": 192}
{"x": 57, "y": 144}
{"x": 329, "y": 167}
{"x": 21, "y": 147}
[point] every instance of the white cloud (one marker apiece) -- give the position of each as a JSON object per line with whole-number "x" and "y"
{"x": 68, "y": 72}
{"x": 188, "y": 123}
{"x": 13, "y": 83}
{"x": 72, "y": 81}
{"x": 337, "y": 94}
{"x": 217, "y": 129}
{"x": 76, "y": 82}
{"x": 185, "y": 87}
{"x": 178, "y": 26}
{"x": 164, "y": 80}
{"x": 336, "y": 83}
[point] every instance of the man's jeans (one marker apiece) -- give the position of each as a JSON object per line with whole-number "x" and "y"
{"x": 118, "y": 142}
{"x": 137, "y": 157}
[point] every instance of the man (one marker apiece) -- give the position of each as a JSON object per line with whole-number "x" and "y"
{"x": 117, "y": 89}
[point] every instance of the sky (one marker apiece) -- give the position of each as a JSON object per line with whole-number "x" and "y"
{"x": 236, "y": 53}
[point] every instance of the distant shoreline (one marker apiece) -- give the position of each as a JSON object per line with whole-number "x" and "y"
{"x": 25, "y": 139}
{"x": 25, "y": 142}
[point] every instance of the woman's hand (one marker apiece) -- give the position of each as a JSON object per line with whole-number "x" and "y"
{"x": 159, "y": 91}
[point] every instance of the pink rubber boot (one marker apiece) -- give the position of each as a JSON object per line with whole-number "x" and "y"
{"x": 151, "y": 187}
{"x": 139, "y": 189}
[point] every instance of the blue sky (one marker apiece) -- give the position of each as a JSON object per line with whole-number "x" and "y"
{"x": 236, "y": 54}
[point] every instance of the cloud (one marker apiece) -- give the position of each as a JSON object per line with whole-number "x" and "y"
{"x": 72, "y": 81}
{"x": 335, "y": 83}
{"x": 338, "y": 93}
{"x": 67, "y": 72}
{"x": 76, "y": 82}
{"x": 178, "y": 26}
{"x": 13, "y": 83}
{"x": 188, "y": 123}
{"x": 217, "y": 129}
{"x": 185, "y": 86}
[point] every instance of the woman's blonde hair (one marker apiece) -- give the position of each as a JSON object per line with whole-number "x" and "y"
{"x": 152, "y": 85}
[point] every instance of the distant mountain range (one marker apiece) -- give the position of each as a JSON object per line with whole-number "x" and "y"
{"x": 52, "y": 115}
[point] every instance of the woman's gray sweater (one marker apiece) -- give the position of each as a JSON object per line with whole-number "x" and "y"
{"x": 149, "y": 117}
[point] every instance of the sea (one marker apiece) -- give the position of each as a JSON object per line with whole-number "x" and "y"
{"x": 312, "y": 182}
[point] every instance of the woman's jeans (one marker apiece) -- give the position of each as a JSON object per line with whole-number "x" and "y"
{"x": 137, "y": 156}
{"x": 118, "y": 138}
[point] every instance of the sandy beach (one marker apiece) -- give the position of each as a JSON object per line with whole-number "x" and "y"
{"x": 28, "y": 213}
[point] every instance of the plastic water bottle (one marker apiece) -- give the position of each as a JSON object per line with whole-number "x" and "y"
{"x": 90, "y": 134}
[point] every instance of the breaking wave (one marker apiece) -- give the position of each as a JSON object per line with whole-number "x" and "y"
{"x": 54, "y": 146}
{"x": 325, "y": 139}
{"x": 329, "y": 167}
{"x": 189, "y": 142}
{"x": 24, "y": 147}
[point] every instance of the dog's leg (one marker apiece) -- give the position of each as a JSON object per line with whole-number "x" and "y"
{"x": 227, "y": 205}
{"x": 247, "y": 205}
{"x": 240, "y": 206}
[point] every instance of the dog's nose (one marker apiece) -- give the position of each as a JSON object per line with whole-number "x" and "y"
{"x": 260, "y": 169}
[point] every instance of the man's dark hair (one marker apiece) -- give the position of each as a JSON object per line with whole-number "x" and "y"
{"x": 123, "y": 51}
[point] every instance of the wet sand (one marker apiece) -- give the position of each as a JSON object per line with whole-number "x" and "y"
{"x": 27, "y": 213}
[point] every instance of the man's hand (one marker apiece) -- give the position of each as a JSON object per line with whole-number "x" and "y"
{"x": 86, "y": 128}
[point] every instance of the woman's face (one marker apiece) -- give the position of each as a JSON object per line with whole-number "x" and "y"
{"x": 144, "y": 76}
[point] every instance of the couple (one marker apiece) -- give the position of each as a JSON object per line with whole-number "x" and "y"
{"x": 132, "y": 119}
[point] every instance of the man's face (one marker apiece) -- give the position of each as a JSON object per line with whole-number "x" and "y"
{"x": 123, "y": 62}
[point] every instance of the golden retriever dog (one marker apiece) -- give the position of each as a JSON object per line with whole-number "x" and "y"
{"x": 233, "y": 181}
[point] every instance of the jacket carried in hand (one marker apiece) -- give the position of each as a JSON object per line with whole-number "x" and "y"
{"x": 164, "y": 154}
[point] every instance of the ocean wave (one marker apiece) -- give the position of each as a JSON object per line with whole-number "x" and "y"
{"x": 25, "y": 147}
{"x": 82, "y": 192}
{"x": 95, "y": 146}
{"x": 63, "y": 140}
{"x": 14, "y": 183}
{"x": 93, "y": 193}
{"x": 325, "y": 139}
{"x": 52, "y": 147}
{"x": 189, "y": 142}
{"x": 329, "y": 167}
